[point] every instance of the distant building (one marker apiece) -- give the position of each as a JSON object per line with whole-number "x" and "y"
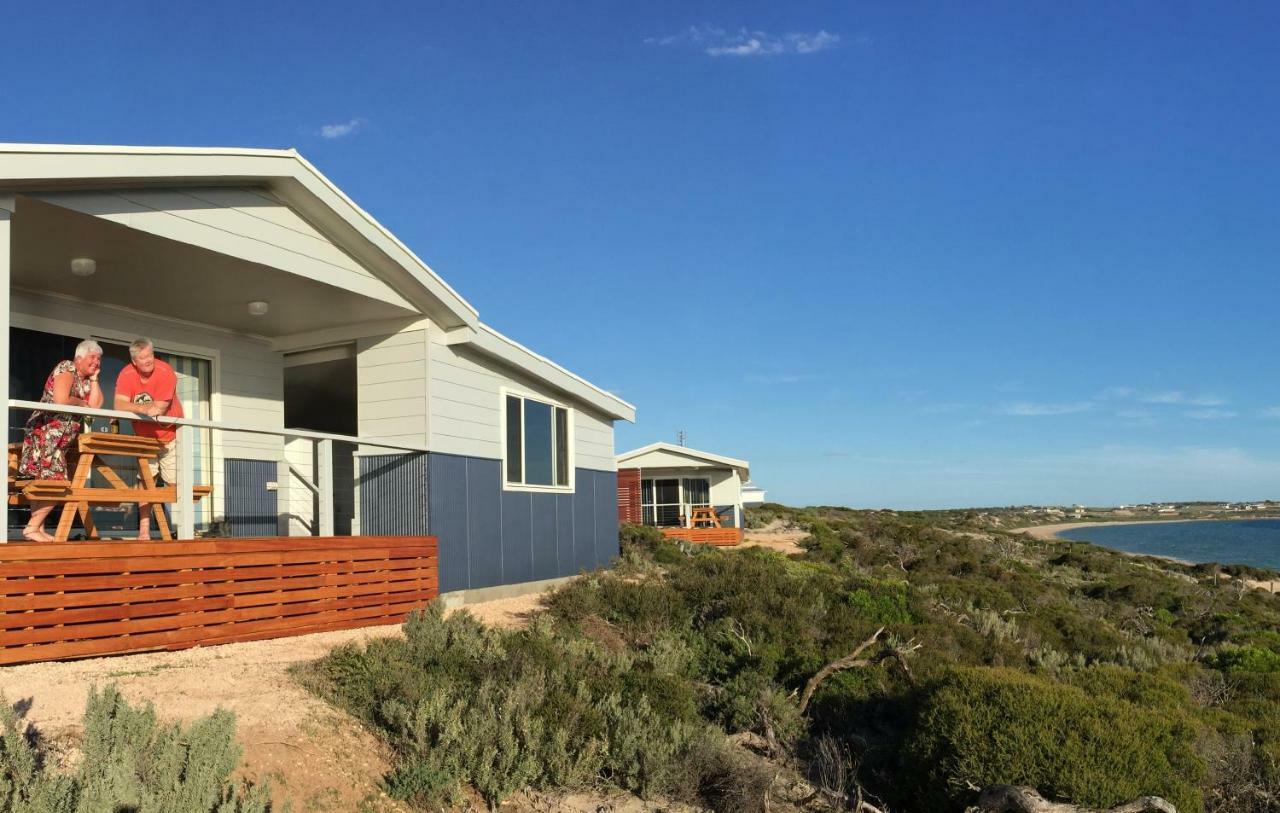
{"x": 752, "y": 494}
{"x": 661, "y": 483}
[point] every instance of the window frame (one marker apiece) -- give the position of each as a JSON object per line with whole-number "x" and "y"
{"x": 510, "y": 392}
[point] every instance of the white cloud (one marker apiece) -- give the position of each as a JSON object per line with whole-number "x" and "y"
{"x": 1030, "y": 409}
{"x": 745, "y": 43}
{"x": 1211, "y": 414}
{"x": 1119, "y": 393}
{"x": 1270, "y": 412}
{"x": 341, "y": 130}
{"x": 1179, "y": 397}
{"x": 1192, "y": 463}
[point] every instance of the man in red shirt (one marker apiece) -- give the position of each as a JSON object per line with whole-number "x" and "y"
{"x": 149, "y": 386}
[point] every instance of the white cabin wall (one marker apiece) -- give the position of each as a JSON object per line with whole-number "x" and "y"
{"x": 466, "y": 403}
{"x": 391, "y": 381}
{"x": 300, "y": 501}
{"x": 726, "y": 488}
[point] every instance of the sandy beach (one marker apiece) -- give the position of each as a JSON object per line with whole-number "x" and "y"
{"x": 1051, "y": 531}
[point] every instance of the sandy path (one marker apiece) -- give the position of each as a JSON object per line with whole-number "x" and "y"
{"x": 777, "y": 535}
{"x": 320, "y": 758}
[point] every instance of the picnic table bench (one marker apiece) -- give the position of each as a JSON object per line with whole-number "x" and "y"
{"x": 76, "y": 495}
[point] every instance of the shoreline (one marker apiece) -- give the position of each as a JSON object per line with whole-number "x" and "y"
{"x": 1050, "y": 532}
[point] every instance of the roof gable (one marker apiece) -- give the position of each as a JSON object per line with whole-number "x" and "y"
{"x": 294, "y": 181}
{"x": 665, "y": 450}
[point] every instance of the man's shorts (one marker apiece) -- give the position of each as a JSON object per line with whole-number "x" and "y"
{"x": 165, "y": 463}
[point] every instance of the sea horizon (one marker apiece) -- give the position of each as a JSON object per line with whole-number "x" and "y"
{"x": 1246, "y": 541}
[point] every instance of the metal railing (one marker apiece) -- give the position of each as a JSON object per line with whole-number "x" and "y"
{"x": 320, "y": 484}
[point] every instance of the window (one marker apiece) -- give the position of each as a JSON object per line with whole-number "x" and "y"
{"x": 666, "y": 502}
{"x": 537, "y": 443}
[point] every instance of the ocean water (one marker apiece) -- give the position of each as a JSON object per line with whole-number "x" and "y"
{"x": 1230, "y": 542}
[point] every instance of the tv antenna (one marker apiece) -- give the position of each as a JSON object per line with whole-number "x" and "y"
{"x": 681, "y": 437}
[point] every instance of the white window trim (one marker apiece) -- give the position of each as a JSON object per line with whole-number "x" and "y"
{"x": 503, "y": 392}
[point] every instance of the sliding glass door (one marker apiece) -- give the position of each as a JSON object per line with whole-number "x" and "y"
{"x": 667, "y": 502}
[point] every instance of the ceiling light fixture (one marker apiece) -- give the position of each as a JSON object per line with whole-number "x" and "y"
{"x": 83, "y": 266}
{"x": 258, "y": 308}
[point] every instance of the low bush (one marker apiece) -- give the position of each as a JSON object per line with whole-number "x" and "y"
{"x": 1246, "y": 659}
{"x": 1093, "y": 675}
{"x": 129, "y": 763}
{"x": 983, "y": 726}
{"x": 498, "y": 710}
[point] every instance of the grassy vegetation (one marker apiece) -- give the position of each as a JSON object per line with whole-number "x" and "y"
{"x": 129, "y": 764}
{"x": 1093, "y": 676}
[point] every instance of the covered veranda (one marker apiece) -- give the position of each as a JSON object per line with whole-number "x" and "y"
{"x": 260, "y": 309}
{"x": 257, "y": 309}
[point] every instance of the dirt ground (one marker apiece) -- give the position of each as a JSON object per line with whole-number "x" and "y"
{"x": 318, "y": 758}
{"x": 778, "y": 535}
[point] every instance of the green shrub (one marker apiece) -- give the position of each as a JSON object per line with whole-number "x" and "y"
{"x": 982, "y": 726}
{"x": 638, "y": 539}
{"x": 630, "y": 674}
{"x": 1246, "y": 659}
{"x": 461, "y": 703}
{"x": 129, "y": 763}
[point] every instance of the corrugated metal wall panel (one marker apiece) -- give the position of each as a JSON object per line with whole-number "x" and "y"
{"x": 484, "y": 522}
{"x": 393, "y": 495}
{"x": 726, "y": 514}
{"x": 584, "y": 522}
{"x": 447, "y": 518}
{"x": 543, "y": 536}
{"x": 517, "y": 531}
{"x": 491, "y": 536}
{"x": 251, "y": 510}
{"x": 564, "y": 533}
{"x": 606, "y": 526}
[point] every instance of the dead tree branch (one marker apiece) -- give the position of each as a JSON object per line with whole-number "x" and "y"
{"x": 849, "y": 661}
{"x": 1011, "y": 799}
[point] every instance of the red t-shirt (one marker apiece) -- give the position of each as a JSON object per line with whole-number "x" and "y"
{"x": 161, "y": 385}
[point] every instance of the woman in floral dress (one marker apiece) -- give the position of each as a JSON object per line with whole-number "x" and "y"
{"x": 49, "y": 434}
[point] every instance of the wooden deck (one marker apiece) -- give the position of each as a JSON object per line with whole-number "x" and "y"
{"x": 73, "y": 600}
{"x": 706, "y": 536}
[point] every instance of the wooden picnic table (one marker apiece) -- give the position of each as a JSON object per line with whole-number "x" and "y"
{"x": 76, "y": 495}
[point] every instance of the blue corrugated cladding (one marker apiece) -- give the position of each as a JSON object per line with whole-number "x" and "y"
{"x": 250, "y": 508}
{"x": 393, "y": 495}
{"x": 726, "y": 514}
{"x": 491, "y": 536}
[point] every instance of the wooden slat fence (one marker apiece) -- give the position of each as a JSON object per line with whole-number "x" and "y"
{"x": 706, "y": 536}
{"x": 629, "y": 509}
{"x": 73, "y": 600}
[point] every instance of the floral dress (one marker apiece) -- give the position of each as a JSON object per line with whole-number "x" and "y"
{"x": 50, "y": 434}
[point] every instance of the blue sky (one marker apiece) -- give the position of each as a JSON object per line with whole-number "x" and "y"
{"x": 894, "y": 254}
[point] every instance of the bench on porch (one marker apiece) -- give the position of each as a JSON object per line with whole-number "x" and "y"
{"x": 76, "y": 495}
